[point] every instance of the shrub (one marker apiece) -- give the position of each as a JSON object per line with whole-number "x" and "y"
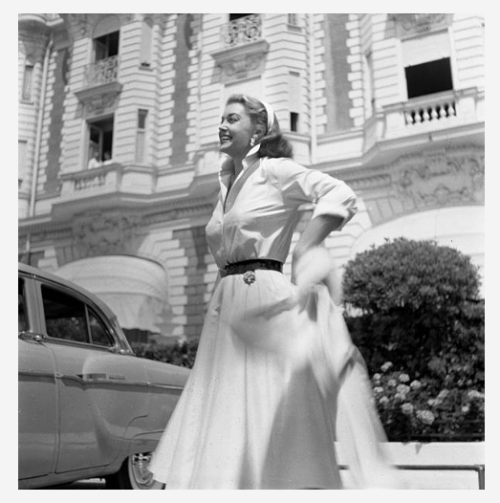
{"x": 182, "y": 354}
{"x": 417, "y": 307}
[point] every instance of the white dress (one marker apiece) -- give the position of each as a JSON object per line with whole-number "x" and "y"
{"x": 274, "y": 387}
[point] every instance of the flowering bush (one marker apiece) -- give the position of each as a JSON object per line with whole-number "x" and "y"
{"x": 413, "y": 309}
{"x": 418, "y": 410}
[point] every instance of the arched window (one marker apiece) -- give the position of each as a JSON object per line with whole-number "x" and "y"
{"x": 106, "y": 38}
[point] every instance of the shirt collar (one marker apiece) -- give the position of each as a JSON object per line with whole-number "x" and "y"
{"x": 228, "y": 164}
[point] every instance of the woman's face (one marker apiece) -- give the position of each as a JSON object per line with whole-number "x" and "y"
{"x": 235, "y": 131}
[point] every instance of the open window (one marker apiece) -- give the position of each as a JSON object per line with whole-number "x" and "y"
{"x": 233, "y": 17}
{"x": 100, "y": 133}
{"x": 428, "y": 78}
{"x": 106, "y": 46}
{"x": 427, "y": 64}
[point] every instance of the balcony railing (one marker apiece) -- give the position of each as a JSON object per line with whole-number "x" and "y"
{"x": 242, "y": 31}
{"x": 442, "y": 109}
{"x": 102, "y": 71}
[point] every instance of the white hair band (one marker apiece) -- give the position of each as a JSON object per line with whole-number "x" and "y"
{"x": 270, "y": 116}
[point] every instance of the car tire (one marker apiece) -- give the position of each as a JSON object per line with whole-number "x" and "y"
{"x": 134, "y": 474}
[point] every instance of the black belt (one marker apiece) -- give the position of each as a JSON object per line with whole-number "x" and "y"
{"x": 251, "y": 265}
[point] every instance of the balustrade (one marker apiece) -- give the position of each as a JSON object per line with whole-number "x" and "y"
{"x": 434, "y": 112}
{"x": 102, "y": 71}
{"x": 242, "y": 31}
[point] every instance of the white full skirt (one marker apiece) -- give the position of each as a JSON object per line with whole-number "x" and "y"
{"x": 276, "y": 389}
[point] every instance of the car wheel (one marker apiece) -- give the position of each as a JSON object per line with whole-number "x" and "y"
{"x": 134, "y": 474}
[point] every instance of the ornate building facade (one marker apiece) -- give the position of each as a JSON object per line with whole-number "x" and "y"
{"x": 118, "y": 145}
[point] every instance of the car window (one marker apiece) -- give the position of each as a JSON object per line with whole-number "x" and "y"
{"x": 64, "y": 315}
{"x": 22, "y": 323}
{"x": 98, "y": 331}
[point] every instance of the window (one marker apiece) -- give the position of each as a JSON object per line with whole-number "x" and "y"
{"x": 98, "y": 332}
{"x": 294, "y": 99}
{"x": 100, "y": 141}
{"x": 22, "y": 323}
{"x": 65, "y": 316}
{"x": 27, "y": 82}
{"x": 141, "y": 136}
{"x": 428, "y": 78}
{"x": 233, "y": 17}
{"x": 427, "y": 64}
{"x": 146, "y": 42}
{"x": 69, "y": 318}
{"x": 106, "y": 46}
{"x": 293, "y": 19}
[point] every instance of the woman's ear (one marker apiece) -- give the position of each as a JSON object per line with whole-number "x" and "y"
{"x": 258, "y": 133}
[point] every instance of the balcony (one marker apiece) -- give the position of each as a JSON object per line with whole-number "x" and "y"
{"x": 106, "y": 184}
{"x": 101, "y": 72}
{"x": 242, "y": 31}
{"x": 243, "y": 49}
{"x": 432, "y": 114}
{"x": 100, "y": 87}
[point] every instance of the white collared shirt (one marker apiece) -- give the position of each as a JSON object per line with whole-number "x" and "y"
{"x": 257, "y": 211}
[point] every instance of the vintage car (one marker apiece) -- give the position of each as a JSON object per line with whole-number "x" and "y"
{"x": 88, "y": 407}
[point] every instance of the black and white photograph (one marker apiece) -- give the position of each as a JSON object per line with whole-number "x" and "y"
{"x": 251, "y": 251}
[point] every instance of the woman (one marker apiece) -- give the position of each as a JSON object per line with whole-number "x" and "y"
{"x": 270, "y": 389}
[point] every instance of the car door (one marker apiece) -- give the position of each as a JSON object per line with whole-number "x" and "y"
{"x": 100, "y": 391}
{"x": 37, "y": 397}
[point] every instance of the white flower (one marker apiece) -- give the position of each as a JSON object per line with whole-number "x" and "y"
{"x": 386, "y": 366}
{"x": 474, "y": 394}
{"x": 392, "y": 383}
{"x": 378, "y": 389}
{"x": 383, "y": 400}
{"x": 407, "y": 408}
{"x": 432, "y": 402}
{"x": 426, "y": 416}
{"x": 415, "y": 384}
{"x": 465, "y": 409}
{"x": 404, "y": 377}
{"x": 403, "y": 389}
{"x": 376, "y": 377}
{"x": 400, "y": 396}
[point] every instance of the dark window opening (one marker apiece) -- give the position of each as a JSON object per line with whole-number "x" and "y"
{"x": 107, "y": 45}
{"x": 294, "y": 121}
{"x": 429, "y": 78}
{"x": 101, "y": 140}
{"x": 65, "y": 316}
{"x": 233, "y": 17}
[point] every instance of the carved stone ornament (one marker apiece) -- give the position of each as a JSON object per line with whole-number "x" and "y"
{"x": 242, "y": 62}
{"x": 440, "y": 180}
{"x": 414, "y": 24}
{"x": 103, "y": 233}
{"x": 100, "y": 103}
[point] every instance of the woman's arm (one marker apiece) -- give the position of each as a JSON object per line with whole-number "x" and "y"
{"x": 314, "y": 234}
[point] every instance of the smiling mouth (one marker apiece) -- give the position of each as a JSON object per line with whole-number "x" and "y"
{"x": 224, "y": 138}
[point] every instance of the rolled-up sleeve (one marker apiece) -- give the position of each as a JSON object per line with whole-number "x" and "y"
{"x": 300, "y": 185}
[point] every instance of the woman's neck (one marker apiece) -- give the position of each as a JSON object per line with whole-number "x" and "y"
{"x": 238, "y": 166}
